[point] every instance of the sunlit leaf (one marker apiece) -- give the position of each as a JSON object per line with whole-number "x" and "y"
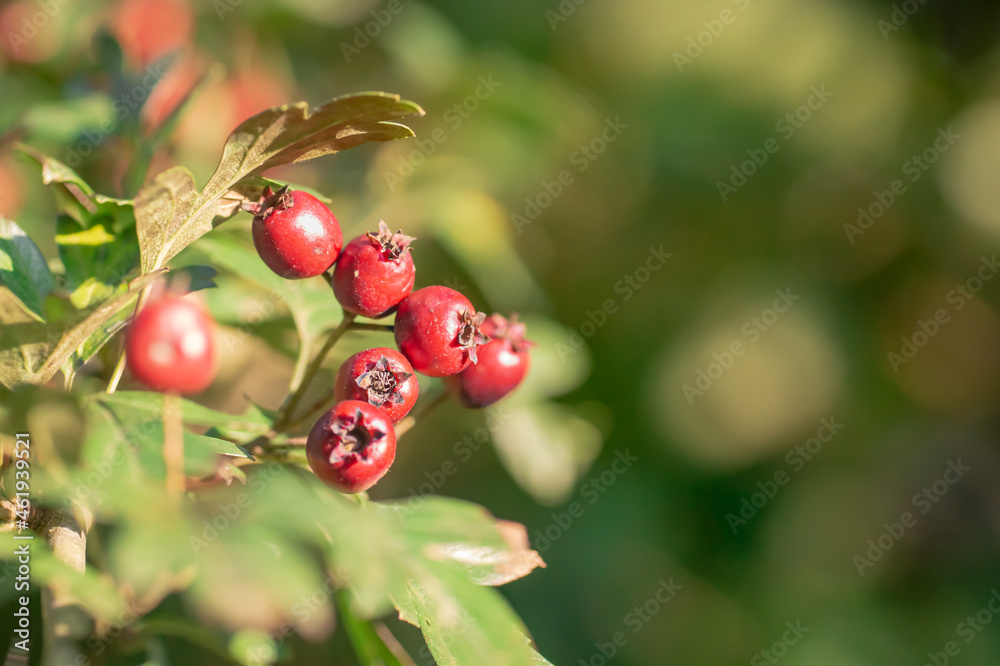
{"x": 171, "y": 213}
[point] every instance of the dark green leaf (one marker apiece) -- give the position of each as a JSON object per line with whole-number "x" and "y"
{"x": 193, "y": 278}
{"x": 96, "y": 259}
{"x": 23, "y": 268}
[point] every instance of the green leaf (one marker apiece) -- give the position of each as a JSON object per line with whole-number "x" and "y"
{"x": 464, "y": 624}
{"x": 95, "y": 342}
{"x": 23, "y": 268}
{"x": 145, "y": 404}
{"x": 171, "y": 214}
{"x": 96, "y": 261}
{"x": 73, "y": 338}
{"x": 140, "y": 415}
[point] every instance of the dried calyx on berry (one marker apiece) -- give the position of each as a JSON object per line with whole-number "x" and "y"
{"x": 352, "y": 437}
{"x": 392, "y": 244}
{"x": 512, "y": 330}
{"x": 381, "y": 384}
{"x": 470, "y": 335}
{"x": 269, "y": 200}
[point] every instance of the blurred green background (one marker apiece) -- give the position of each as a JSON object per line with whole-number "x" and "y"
{"x": 824, "y": 178}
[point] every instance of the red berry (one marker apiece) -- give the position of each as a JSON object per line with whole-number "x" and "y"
{"x": 437, "y": 329}
{"x": 295, "y": 234}
{"x": 503, "y": 363}
{"x": 351, "y": 446}
{"x": 382, "y": 377}
{"x": 169, "y": 346}
{"x": 374, "y": 273}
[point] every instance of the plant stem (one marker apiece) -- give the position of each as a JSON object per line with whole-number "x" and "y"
{"x": 314, "y": 367}
{"x": 119, "y": 371}
{"x": 314, "y": 409}
{"x": 403, "y": 426}
{"x": 375, "y": 328}
{"x": 173, "y": 444}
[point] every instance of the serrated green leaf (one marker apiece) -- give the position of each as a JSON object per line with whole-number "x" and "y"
{"x": 465, "y": 624}
{"x": 23, "y": 268}
{"x": 171, "y": 214}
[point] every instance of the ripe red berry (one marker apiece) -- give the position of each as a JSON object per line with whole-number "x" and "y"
{"x": 351, "y": 446}
{"x": 295, "y": 234}
{"x": 503, "y": 363}
{"x": 169, "y": 346}
{"x": 382, "y": 377}
{"x": 375, "y": 272}
{"x": 437, "y": 329}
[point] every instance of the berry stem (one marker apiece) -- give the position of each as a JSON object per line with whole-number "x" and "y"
{"x": 428, "y": 407}
{"x": 173, "y": 444}
{"x": 313, "y": 410}
{"x": 375, "y": 328}
{"x": 313, "y": 368}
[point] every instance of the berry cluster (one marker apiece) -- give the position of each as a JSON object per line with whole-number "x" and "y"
{"x": 437, "y": 331}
